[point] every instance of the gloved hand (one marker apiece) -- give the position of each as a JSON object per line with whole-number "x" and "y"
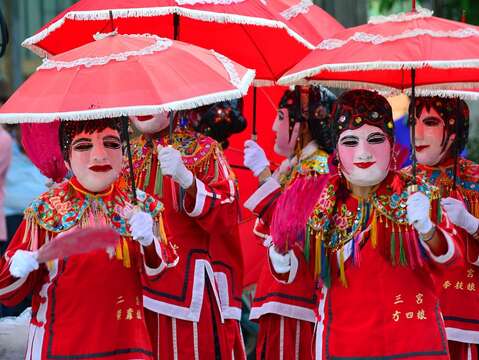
{"x": 254, "y": 157}
{"x": 281, "y": 263}
{"x": 458, "y": 214}
{"x": 23, "y": 263}
{"x": 418, "y": 207}
{"x": 141, "y": 227}
{"x": 171, "y": 163}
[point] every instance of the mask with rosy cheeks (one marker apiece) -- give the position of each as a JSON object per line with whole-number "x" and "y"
{"x": 430, "y": 133}
{"x": 96, "y": 159}
{"x": 364, "y": 154}
{"x": 283, "y": 145}
{"x": 151, "y": 124}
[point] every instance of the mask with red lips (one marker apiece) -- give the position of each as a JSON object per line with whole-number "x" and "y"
{"x": 363, "y": 128}
{"x": 151, "y": 124}
{"x": 440, "y": 123}
{"x": 94, "y": 155}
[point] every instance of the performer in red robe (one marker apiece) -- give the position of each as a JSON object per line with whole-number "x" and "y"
{"x": 90, "y": 305}
{"x": 441, "y": 132}
{"x": 375, "y": 246}
{"x": 286, "y": 312}
{"x": 188, "y": 304}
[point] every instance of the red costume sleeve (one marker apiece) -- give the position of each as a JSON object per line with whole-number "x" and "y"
{"x": 215, "y": 202}
{"x": 453, "y": 255}
{"x": 13, "y": 290}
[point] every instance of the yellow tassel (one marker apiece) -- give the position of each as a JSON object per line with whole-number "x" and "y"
{"x": 317, "y": 260}
{"x": 162, "y": 231}
{"x": 126, "y": 255}
{"x": 342, "y": 274}
{"x": 118, "y": 252}
{"x": 374, "y": 231}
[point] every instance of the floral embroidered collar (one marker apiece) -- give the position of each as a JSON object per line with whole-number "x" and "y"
{"x": 313, "y": 161}
{"x": 389, "y": 201}
{"x": 195, "y": 148}
{"x": 69, "y": 204}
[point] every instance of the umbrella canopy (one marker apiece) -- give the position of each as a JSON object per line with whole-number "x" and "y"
{"x": 382, "y": 54}
{"x": 269, "y": 36}
{"x": 124, "y": 75}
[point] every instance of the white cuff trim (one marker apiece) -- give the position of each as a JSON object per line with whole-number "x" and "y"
{"x": 287, "y": 310}
{"x": 464, "y": 336}
{"x": 270, "y": 186}
{"x": 451, "y": 249}
{"x": 149, "y": 270}
{"x": 293, "y": 269}
{"x": 476, "y": 262}
{"x": 200, "y": 200}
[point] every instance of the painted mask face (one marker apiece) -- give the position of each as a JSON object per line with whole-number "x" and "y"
{"x": 151, "y": 124}
{"x": 365, "y": 155}
{"x": 96, "y": 159}
{"x": 283, "y": 146}
{"x": 430, "y": 136}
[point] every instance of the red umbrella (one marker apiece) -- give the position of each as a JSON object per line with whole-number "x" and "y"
{"x": 253, "y": 33}
{"x": 396, "y": 52}
{"x": 383, "y": 54}
{"x": 125, "y": 75}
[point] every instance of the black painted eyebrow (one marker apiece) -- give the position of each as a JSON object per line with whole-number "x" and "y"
{"x": 350, "y": 137}
{"x": 111, "y": 137}
{"x": 433, "y": 117}
{"x": 81, "y": 139}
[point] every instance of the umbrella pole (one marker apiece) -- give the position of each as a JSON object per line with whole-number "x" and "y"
{"x": 176, "y": 34}
{"x": 176, "y": 26}
{"x": 172, "y": 123}
{"x": 412, "y": 121}
{"x": 126, "y": 136}
{"x": 254, "y": 135}
{"x": 413, "y": 5}
{"x": 456, "y": 144}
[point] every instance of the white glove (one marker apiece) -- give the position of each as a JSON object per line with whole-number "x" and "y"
{"x": 418, "y": 207}
{"x": 141, "y": 227}
{"x": 171, "y": 163}
{"x": 281, "y": 263}
{"x": 254, "y": 157}
{"x": 23, "y": 263}
{"x": 458, "y": 214}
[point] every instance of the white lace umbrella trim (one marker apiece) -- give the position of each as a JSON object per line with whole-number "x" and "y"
{"x": 294, "y": 78}
{"x": 462, "y": 94}
{"x": 362, "y": 37}
{"x": 444, "y": 90}
{"x": 208, "y": 2}
{"x": 139, "y": 110}
{"x": 229, "y": 67}
{"x": 295, "y": 10}
{"x": 160, "y": 44}
{"x": 31, "y": 42}
{"x": 420, "y": 13}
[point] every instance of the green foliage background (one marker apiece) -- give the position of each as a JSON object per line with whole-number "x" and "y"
{"x": 451, "y": 9}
